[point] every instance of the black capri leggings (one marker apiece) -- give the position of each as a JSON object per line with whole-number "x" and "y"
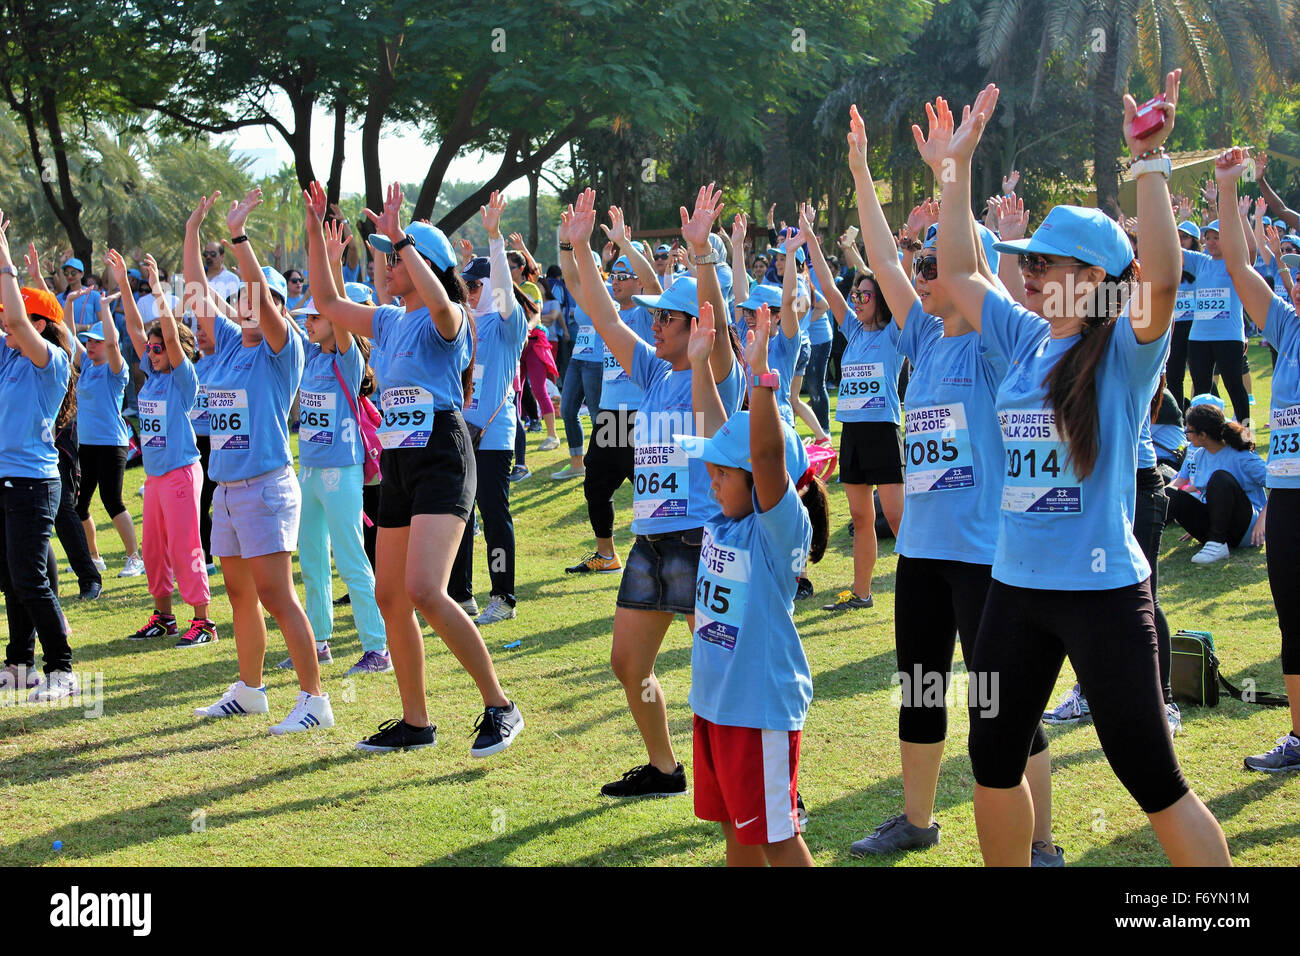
{"x": 1110, "y": 638}
{"x": 1176, "y": 367}
{"x": 493, "y": 497}
{"x": 610, "y": 461}
{"x": 102, "y": 466}
{"x": 1223, "y": 516}
{"x": 1202, "y": 357}
{"x": 936, "y": 601}
{"x": 1282, "y": 535}
{"x": 1149, "y": 515}
{"x": 205, "y": 497}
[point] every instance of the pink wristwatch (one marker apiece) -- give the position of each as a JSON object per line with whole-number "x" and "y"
{"x": 766, "y": 380}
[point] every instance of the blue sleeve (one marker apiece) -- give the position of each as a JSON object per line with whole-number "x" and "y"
{"x": 1185, "y": 469}
{"x": 288, "y": 362}
{"x": 1141, "y": 362}
{"x": 226, "y": 334}
{"x": 518, "y": 329}
{"x": 1006, "y": 325}
{"x": 381, "y": 320}
{"x": 186, "y": 380}
{"x": 646, "y": 368}
{"x": 785, "y": 530}
{"x": 1256, "y": 471}
{"x": 352, "y": 368}
{"x": 918, "y": 335}
{"x": 1281, "y": 327}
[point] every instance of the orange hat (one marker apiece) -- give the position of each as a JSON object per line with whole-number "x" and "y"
{"x": 40, "y": 305}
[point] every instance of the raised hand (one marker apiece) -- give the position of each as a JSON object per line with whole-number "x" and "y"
{"x": 807, "y": 216}
{"x": 973, "y": 120}
{"x": 739, "y": 229}
{"x": 201, "y": 210}
{"x": 314, "y": 199}
{"x": 464, "y": 249}
{"x": 32, "y": 260}
{"x": 1184, "y": 208}
{"x": 700, "y": 346}
{"x": 1009, "y": 183}
{"x": 1243, "y": 204}
{"x": 388, "y": 222}
{"x": 757, "y": 340}
{"x": 1013, "y": 218}
{"x": 1261, "y": 209}
{"x": 617, "y": 231}
{"x": 857, "y": 142}
{"x": 491, "y": 214}
{"x": 1273, "y": 238}
{"x": 562, "y": 231}
{"x": 1229, "y": 165}
{"x": 150, "y": 267}
{"x": 238, "y": 215}
{"x": 337, "y": 238}
{"x": 516, "y": 242}
{"x": 771, "y": 216}
{"x": 1156, "y": 138}
{"x": 1210, "y": 192}
{"x": 583, "y": 219}
{"x": 697, "y": 226}
{"x": 1261, "y": 161}
{"x": 113, "y": 259}
{"x": 934, "y": 146}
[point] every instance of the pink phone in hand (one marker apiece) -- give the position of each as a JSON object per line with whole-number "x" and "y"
{"x": 1149, "y": 117}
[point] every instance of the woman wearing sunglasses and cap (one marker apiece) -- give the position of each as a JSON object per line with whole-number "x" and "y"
{"x": 424, "y": 359}
{"x": 1083, "y": 366}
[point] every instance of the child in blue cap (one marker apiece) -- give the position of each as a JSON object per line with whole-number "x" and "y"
{"x": 750, "y": 681}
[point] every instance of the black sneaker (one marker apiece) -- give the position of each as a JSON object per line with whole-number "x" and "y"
{"x": 801, "y": 810}
{"x": 344, "y": 601}
{"x": 91, "y": 591}
{"x": 647, "y": 781}
{"x": 496, "y": 730}
{"x": 158, "y": 625}
{"x": 805, "y": 589}
{"x": 399, "y": 735}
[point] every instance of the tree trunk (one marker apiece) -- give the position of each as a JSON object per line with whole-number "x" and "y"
{"x": 300, "y": 137}
{"x": 67, "y": 208}
{"x": 1107, "y": 128}
{"x": 777, "y": 167}
{"x": 379, "y": 91}
{"x": 533, "y": 177}
{"x": 335, "y": 184}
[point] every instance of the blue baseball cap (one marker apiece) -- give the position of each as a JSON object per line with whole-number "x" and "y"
{"x": 134, "y": 274}
{"x": 307, "y": 308}
{"x": 1190, "y": 228}
{"x": 798, "y": 253}
{"x": 1214, "y": 225}
{"x": 1267, "y": 221}
{"x": 95, "y": 332}
{"x": 681, "y": 296}
{"x": 430, "y": 242}
{"x": 717, "y": 245}
{"x": 1292, "y": 238}
{"x": 1206, "y": 399}
{"x": 640, "y": 246}
{"x": 663, "y": 249}
{"x": 988, "y": 238}
{"x": 763, "y": 293}
{"x": 729, "y": 446}
{"x": 1088, "y": 235}
{"x": 73, "y": 263}
{"x": 621, "y": 265}
{"x": 480, "y": 267}
{"x": 358, "y": 293}
{"x": 1291, "y": 260}
{"x": 275, "y": 281}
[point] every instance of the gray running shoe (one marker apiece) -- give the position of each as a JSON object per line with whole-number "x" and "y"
{"x": 895, "y": 835}
{"x": 470, "y": 606}
{"x": 1040, "y": 855}
{"x": 1073, "y": 709}
{"x": 1281, "y": 759}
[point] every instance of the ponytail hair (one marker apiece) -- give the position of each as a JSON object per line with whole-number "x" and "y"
{"x": 1072, "y": 382}
{"x": 815, "y": 502}
{"x": 1158, "y": 398}
{"x": 56, "y": 333}
{"x": 456, "y": 291}
{"x": 1209, "y": 420}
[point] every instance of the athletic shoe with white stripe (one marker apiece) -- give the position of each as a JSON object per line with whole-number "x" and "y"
{"x": 55, "y": 685}
{"x": 496, "y": 730}
{"x": 312, "y": 712}
{"x": 1073, "y": 709}
{"x": 239, "y": 699}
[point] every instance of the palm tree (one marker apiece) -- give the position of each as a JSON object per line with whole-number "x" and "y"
{"x": 1255, "y": 40}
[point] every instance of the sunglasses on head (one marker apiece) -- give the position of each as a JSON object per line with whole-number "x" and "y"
{"x": 155, "y": 348}
{"x": 864, "y": 295}
{"x": 927, "y": 267}
{"x": 1036, "y": 265}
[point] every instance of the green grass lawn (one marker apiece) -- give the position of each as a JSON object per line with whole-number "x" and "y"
{"x": 148, "y": 783}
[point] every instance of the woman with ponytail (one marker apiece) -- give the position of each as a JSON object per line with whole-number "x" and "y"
{"x": 1085, "y": 354}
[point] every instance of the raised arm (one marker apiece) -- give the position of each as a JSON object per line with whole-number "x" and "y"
{"x": 739, "y": 274}
{"x": 517, "y": 244}
{"x": 166, "y": 319}
{"x": 446, "y": 315}
{"x": 32, "y": 260}
{"x": 1275, "y": 202}
{"x": 1013, "y": 223}
{"x": 594, "y": 298}
{"x": 877, "y": 239}
{"x": 17, "y": 322}
{"x": 112, "y": 348}
{"x": 839, "y": 308}
{"x": 695, "y": 231}
{"x": 621, "y": 236}
{"x": 790, "y": 312}
{"x": 502, "y": 285}
{"x": 342, "y": 233}
{"x": 851, "y": 254}
{"x": 1252, "y": 288}
{"x": 707, "y": 403}
{"x": 336, "y": 241}
{"x": 766, "y": 434}
{"x": 344, "y": 314}
{"x": 131, "y": 312}
{"x": 274, "y": 328}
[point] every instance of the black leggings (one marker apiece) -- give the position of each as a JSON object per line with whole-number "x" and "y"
{"x": 610, "y": 461}
{"x": 1176, "y": 367}
{"x": 1110, "y": 638}
{"x": 936, "y": 601}
{"x": 71, "y": 532}
{"x": 1282, "y": 535}
{"x": 102, "y": 466}
{"x": 205, "y": 498}
{"x": 493, "y": 496}
{"x": 369, "y": 532}
{"x": 1202, "y": 357}
{"x": 1149, "y": 514}
{"x": 1223, "y": 516}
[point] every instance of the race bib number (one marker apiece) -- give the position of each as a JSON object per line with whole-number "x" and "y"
{"x": 316, "y": 417}
{"x": 1185, "y": 306}
{"x": 584, "y": 345}
{"x": 938, "y": 449}
{"x": 1284, "y": 442}
{"x": 862, "y": 386}
{"x": 153, "y": 423}
{"x": 614, "y": 372}
{"x": 661, "y": 482}
{"x": 228, "y": 418}
{"x": 721, "y": 591}
{"x": 1037, "y": 480}
{"x": 199, "y": 413}
{"x": 408, "y": 417}
{"x": 472, "y": 404}
{"x": 1212, "y": 303}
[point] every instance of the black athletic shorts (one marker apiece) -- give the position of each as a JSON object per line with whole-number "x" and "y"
{"x": 438, "y": 479}
{"x": 871, "y": 453}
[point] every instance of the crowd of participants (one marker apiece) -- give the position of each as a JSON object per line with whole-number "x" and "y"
{"x": 1011, "y": 407}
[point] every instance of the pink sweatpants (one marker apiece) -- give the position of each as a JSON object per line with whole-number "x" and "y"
{"x": 172, "y": 544}
{"x": 536, "y": 370}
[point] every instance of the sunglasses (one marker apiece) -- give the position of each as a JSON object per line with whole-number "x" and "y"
{"x": 211, "y": 255}
{"x": 1192, "y": 431}
{"x": 294, "y": 279}
{"x": 927, "y": 267}
{"x": 622, "y": 276}
{"x": 1037, "y": 265}
{"x": 661, "y": 317}
{"x": 866, "y": 295}
{"x": 661, "y": 257}
{"x": 473, "y": 284}
{"x": 155, "y": 348}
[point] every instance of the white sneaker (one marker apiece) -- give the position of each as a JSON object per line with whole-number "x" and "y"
{"x": 309, "y": 713}
{"x": 239, "y": 698}
{"x": 549, "y": 444}
{"x": 133, "y": 568}
{"x": 100, "y": 565}
{"x": 55, "y": 685}
{"x": 1213, "y": 551}
{"x": 498, "y": 609}
{"x": 1175, "y": 718}
{"x": 15, "y": 677}
{"x": 1073, "y": 709}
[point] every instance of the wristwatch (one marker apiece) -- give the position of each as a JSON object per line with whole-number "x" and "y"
{"x": 766, "y": 380}
{"x": 402, "y": 243}
{"x": 712, "y": 258}
{"x": 1157, "y": 164}
{"x": 8, "y": 271}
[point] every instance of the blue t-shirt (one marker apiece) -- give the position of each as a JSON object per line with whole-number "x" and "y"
{"x": 868, "y": 375}
{"x": 420, "y": 371}
{"x": 1218, "y": 307}
{"x": 1167, "y": 439}
{"x": 782, "y": 356}
{"x": 1245, "y": 466}
{"x": 327, "y": 430}
{"x": 588, "y": 346}
{"x": 250, "y": 391}
{"x": 1282, "y": 329}
{"x": 496, "y": 363}
{"x": 1057, "y": 531}
{"x": 954, "y": 445}
{"x": 99, "y": 404}
{"x": 748, "y": 667}
{"x": 819, "y": 329}
{"x": 85, "y": 311}
{"x": 617, "y": 389}
{"x": 1185, "y": 303}
{"x": 1146, "y": 447}
{"x": 166, "y": 434}
{"x": 199, "y": 410}
{"x": 670, "y": 491}
{"x": 31, "y": 398}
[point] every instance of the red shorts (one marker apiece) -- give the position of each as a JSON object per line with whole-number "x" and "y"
{"x": 748, "y": 778}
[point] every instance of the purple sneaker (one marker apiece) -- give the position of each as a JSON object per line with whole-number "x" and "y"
{"x": 372, "y": 662}
{"x": 323, "y": 656}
